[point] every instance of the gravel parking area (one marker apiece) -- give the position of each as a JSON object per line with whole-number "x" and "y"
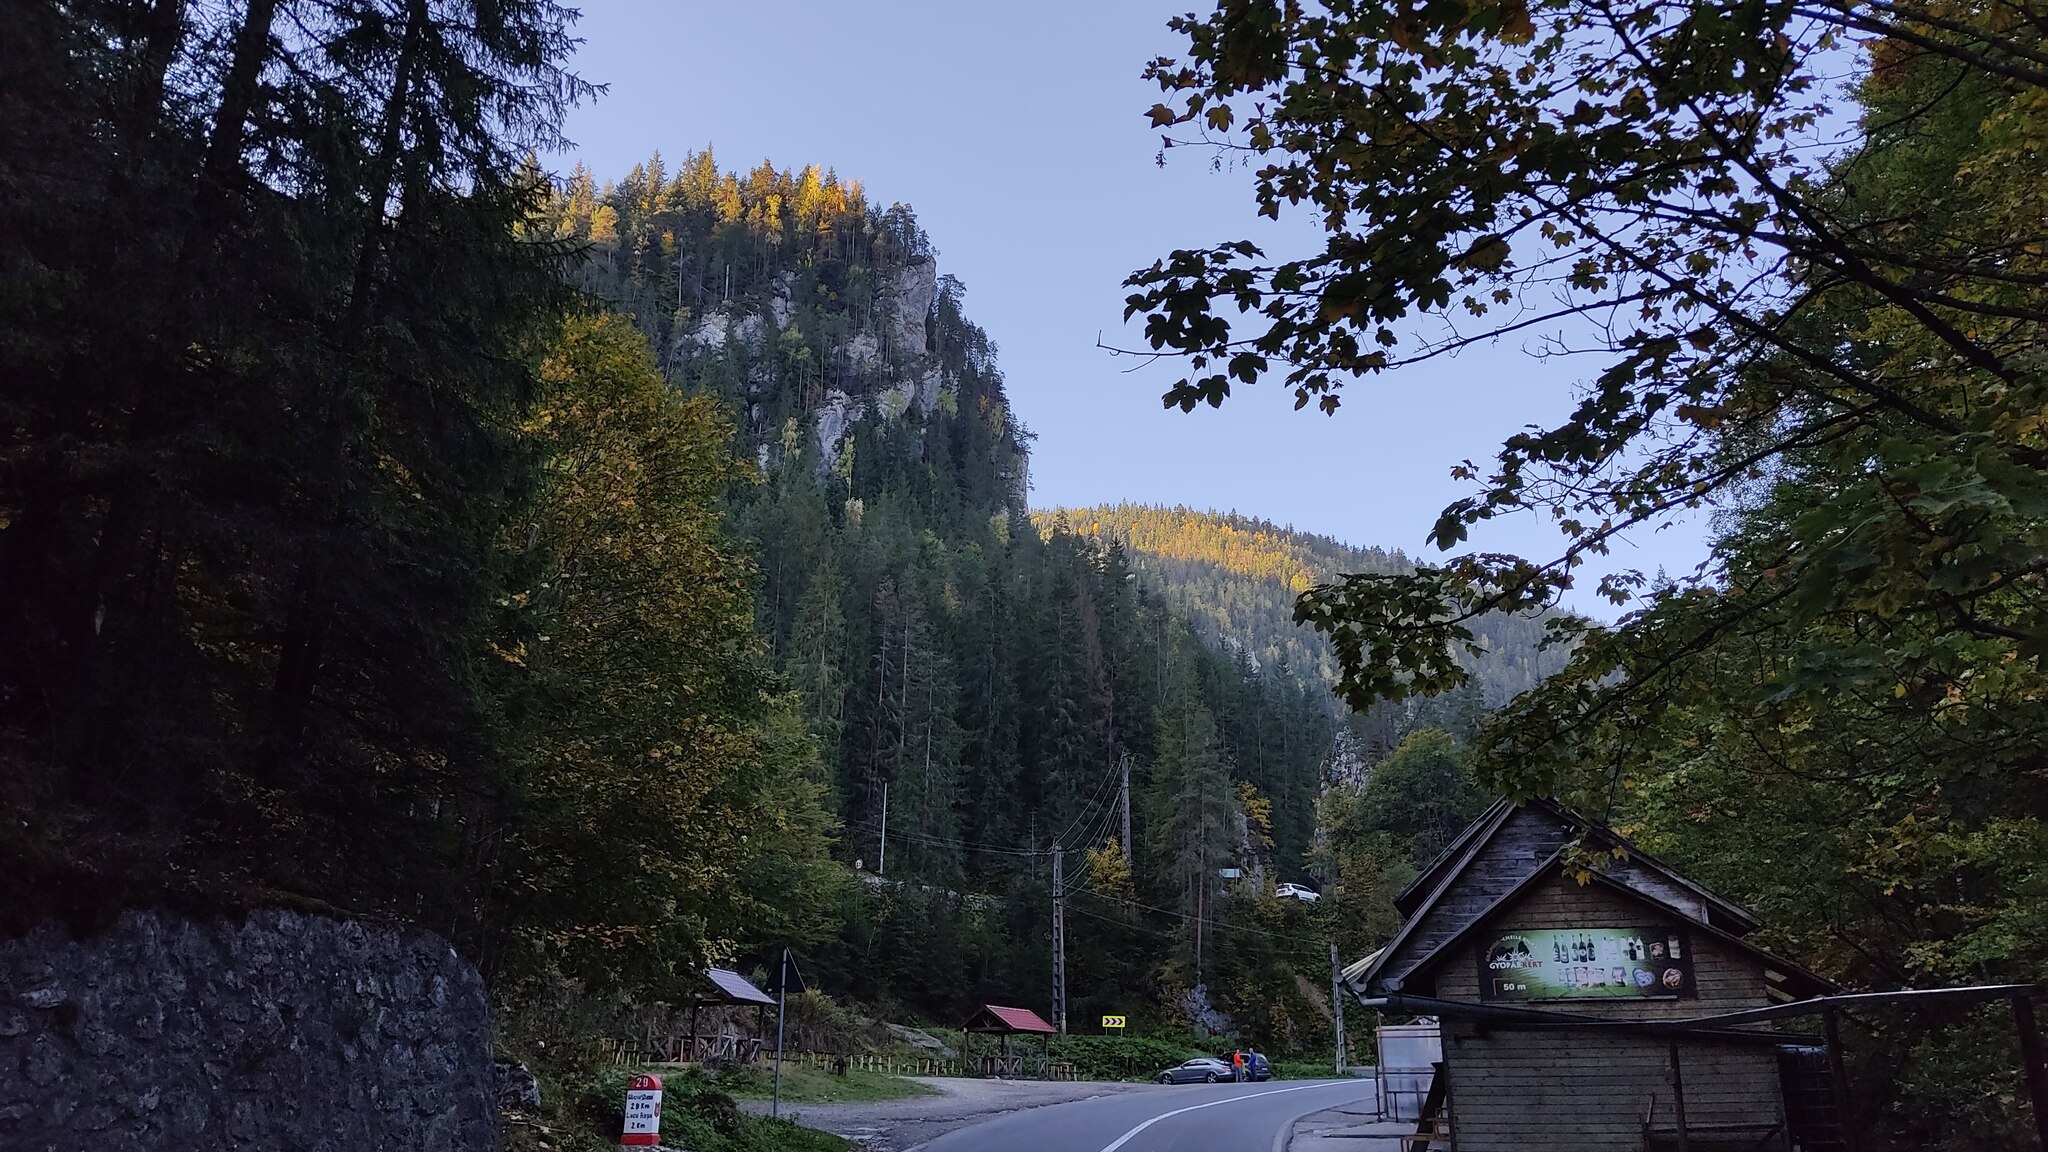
{"x": 898, "y": 1125}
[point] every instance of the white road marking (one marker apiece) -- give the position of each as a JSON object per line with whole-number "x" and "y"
{"x": 1124, "y": 1139}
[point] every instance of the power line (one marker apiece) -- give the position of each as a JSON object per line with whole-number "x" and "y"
{"x": 1095, "y": 838}
{"x": 1201, "y": 919}
{"x": 949, "y": 843}
{"x": 1100, "y": 829}
{"x": 1101, "y": 790}
{"x": 1163, "y": 933}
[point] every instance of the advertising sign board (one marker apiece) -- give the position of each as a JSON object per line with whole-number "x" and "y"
{"x": 1644, "y": 962}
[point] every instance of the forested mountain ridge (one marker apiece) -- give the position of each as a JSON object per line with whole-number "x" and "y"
{"x": 1238, "y": 577}
{"x": 790, "y": 296}
{"x": 982, "y": 682}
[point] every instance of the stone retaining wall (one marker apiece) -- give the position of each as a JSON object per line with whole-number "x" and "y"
{"x": 282, "y": 1032}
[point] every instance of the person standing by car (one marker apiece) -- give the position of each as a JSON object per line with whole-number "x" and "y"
{"x": 1237, "y": 1068}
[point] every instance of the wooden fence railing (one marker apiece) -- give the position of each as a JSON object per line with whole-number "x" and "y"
{"x": 1014, "y": 1066}
{"x": 628, "y": 1052}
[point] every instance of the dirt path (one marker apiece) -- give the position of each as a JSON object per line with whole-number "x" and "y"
{"x": 897, "y": 1125}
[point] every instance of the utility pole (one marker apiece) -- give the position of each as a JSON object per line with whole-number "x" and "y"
{"x": 1130, "y": 853}
{"x": 1059, "y": 943}
{"x": 781, "y": 1010}
{"x": 882, "y": 858}
{"x": 1337, "y": 1002}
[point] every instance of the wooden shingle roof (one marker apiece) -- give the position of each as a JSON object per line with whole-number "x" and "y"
{"x": 1504, "y": 852}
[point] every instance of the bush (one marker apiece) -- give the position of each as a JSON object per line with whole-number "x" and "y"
{"x": 695, "y": 1118}
{"x": 1122, "y": 1057}
{"x": 717, "y": 1109}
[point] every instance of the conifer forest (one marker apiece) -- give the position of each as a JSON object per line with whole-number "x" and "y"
{"x": 623, "y": 573}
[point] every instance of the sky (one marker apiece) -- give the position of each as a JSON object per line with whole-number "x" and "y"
{"x": 1018, "y": 134}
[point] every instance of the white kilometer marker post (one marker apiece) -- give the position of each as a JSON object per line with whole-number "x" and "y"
{"x": 643, "y": 1113}
{"x": 1124, "y": 1139}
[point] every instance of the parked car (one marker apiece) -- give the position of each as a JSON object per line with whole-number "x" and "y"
{"x": 1203, "y": 1069}
{"x": 1292, "y": 891}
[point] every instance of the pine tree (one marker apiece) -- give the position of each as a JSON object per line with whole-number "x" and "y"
{"x": 1190, "y": 803}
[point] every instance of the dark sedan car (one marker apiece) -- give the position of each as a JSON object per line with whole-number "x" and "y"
{"x": 1205, "y": 1069}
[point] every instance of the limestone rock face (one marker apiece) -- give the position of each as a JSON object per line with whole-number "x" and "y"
{"x": 780, "y": 305}
{"x": 911, "y": 295}
{"x": 717, "y": 327}
{"x": 884, "y": 362}
{"x": 864, "y": 352}
{"x": 926, "y": 398}
{"x": 280, "y": 1031}
{"x": 837, "y": 415}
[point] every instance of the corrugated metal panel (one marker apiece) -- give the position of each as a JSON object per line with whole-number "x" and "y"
{"x": 736, "y": 989}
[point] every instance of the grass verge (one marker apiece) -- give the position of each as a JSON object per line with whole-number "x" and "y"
{"x": 808, "y": 1085}
{"x": 584, "y": 1116}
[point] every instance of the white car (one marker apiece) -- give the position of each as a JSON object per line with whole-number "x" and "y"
{"x": 1297, "y": 892}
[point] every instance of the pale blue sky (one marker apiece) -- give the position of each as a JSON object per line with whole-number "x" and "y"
{"x": 1017, "y": 132}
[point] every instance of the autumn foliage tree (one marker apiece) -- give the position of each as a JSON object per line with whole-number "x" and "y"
{"x": 668, "y": 806}
{"x": 1831, "y": 337}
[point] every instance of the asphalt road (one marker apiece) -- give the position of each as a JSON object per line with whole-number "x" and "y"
{"x": 1159, "y": 1118}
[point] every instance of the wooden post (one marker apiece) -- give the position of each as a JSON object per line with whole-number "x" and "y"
{"x": 1433, "y": 1101}
{"x": 1337, "y": 1002}
{"x": 1838, "y": 1072}
{"x": 1678, "y": 1098}
{"x": 2035, "y": 1069}
{"x": 695, "y": 1004}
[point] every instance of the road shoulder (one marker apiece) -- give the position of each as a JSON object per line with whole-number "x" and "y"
{"x": 1355, "y": 1127}
{"x": 902, "y": 1124}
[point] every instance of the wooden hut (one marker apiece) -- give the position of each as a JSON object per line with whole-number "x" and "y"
{"x": 725, "y": 988}
{"x": 1570, "y": 998}
{"x": 1004, "y": 1022}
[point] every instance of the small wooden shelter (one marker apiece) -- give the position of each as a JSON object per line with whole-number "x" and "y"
{"x": 1570, "y": 1005}
{"x": 726, "y": 988}
{"x": 997, "y": 1020}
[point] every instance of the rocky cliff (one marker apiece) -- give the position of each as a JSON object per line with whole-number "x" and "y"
{"x": 884, "y": 366}
{"x": 820, "y": 316}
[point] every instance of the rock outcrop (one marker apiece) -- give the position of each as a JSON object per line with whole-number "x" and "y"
{"x": 282, "y": 1031}
{"x": 912, "y": 292}
{"x": 839, "y": 413}
{"x": 886, "y": 360}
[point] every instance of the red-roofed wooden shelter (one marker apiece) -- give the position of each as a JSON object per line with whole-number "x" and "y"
{"x": 1004, "y": 1022}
